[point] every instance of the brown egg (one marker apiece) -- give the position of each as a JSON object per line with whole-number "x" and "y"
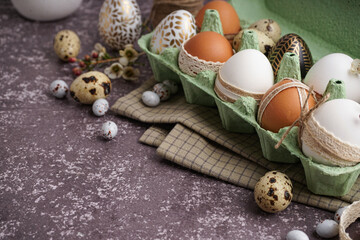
{"x": 209, "y": 46}
{"x": 228, "y": 16}
{"x": 281, "y": 104}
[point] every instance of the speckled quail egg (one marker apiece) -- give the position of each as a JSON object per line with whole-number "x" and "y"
{"x": 59, "y": 88}
{"x": 327, "y": 228}
{"x": 109, "y": 130}
{"x": 163, "y": 91}
{"x": 265, "y": 43}
{"x": 90, "y": 86}
{"x": 66, "y": 44}
{"x": 100, "y": 107}
{"x": 338, "y": 214}
{"x": 273, "y": 192}
{"x": 172, "y": 85}
{"x": 296, "y": 235}
{"x": 269, "y": 27}
{"x": 150, "y": 99}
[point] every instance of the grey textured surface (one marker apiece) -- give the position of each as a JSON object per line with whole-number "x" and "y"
{"x": 60, "y": 180}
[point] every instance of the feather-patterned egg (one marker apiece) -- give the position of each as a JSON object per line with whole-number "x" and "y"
{"x": 295, "y": 44}
{"x": 119, "y": 22}
{"x": 173, "y": 31}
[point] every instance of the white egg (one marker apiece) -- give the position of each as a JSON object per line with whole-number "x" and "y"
{"x": 109, "y": 130}
{"x": 100, "y": 107}
{"x": 336, "y": 65}
{"x": 59, "y": 88}
{"x": 247, "y": 73}
{"x": 296, "y": 235}
{"x": 172, "y": 85}
{"x": 173, "y": 31}
{"x": 150, "y": 99}
{"x": 338, "y": 214}
{"x": 327, "y": 229}
{"x": 337, "y": 127}
{"x": 119, "y": 22}
{"x": 163, "y": 91}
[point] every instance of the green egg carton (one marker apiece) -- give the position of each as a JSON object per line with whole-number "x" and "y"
{"x": 322, "y": 39}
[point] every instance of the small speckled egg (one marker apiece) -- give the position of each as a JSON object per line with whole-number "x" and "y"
{"x": 150, "y": 99}
{"x": 269, "y": 27}
{"x": 163, "y": 91}
{"x": 66, "y": 44}
{"x": 59, "y": 88}
{"x": 296, "y": 235}
{"x": 265, "y": 43}
{"x": 273, "y": 192}
{"x": 327, "y": 228}
{"x": 172, "y": 85}
{"x": 90, "y": 86}
{"x": 100, "y": 107}
{"x": 109, "y": 130}
{"x": 338, "y": 214}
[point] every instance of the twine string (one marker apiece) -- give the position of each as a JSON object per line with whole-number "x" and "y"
{"x": 304, "y": 115}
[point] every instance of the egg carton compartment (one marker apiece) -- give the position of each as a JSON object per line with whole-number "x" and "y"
{"x": 241, "y": 116}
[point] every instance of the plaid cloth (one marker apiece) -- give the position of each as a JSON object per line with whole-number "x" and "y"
{"x": 199, "y": 142}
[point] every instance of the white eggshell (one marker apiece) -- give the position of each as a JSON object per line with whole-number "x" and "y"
{"x": 296, "y": 235}
{"x": 59, "y": 88}
{"x": 150, "y": 99}
{"x": 338, "y": 214}
{"x": 248, "y": 70}
{"x": 173, "y": 31}
{"x": 336, "y": 65}
{"x": 46, "y": 10}
{"x": 327, "y": 229}
{"x": 119, "y": 22}
{"x": 109, "y": 130}
{"x": 172, "y": 85}
{"x": 100, "y": 107}
{"x": 341, "y": 117}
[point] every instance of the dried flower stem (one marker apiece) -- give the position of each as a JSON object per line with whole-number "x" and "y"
{"x": 111, "y": 59}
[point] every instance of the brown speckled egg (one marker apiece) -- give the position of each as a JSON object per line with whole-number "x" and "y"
{"x": 90, "y": 86}
{"x": 66, "y": 44}
{"x": 269, "y": 27}
{"x": 265, "y": 43}
{"x": 273, "y": 192}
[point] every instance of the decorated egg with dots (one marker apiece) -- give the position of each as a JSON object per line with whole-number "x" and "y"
{"x": 150, "y": 99}
{"x": 109, "y": 130}
{"x": 66, "y": 44}
{"x": 265, "y": 43}
{"x": 90, "y": 86}
{"x": 100, "y": 107}
{"x": 173, "y": 31}
{"x": 59, "y": 88}
{"x": 162, "y": 90}
{"x": 273, "y": 192}
{"x": 119, "y": 22}
{"x": 295, "y": 44}
{"x": 282, "y": 104}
